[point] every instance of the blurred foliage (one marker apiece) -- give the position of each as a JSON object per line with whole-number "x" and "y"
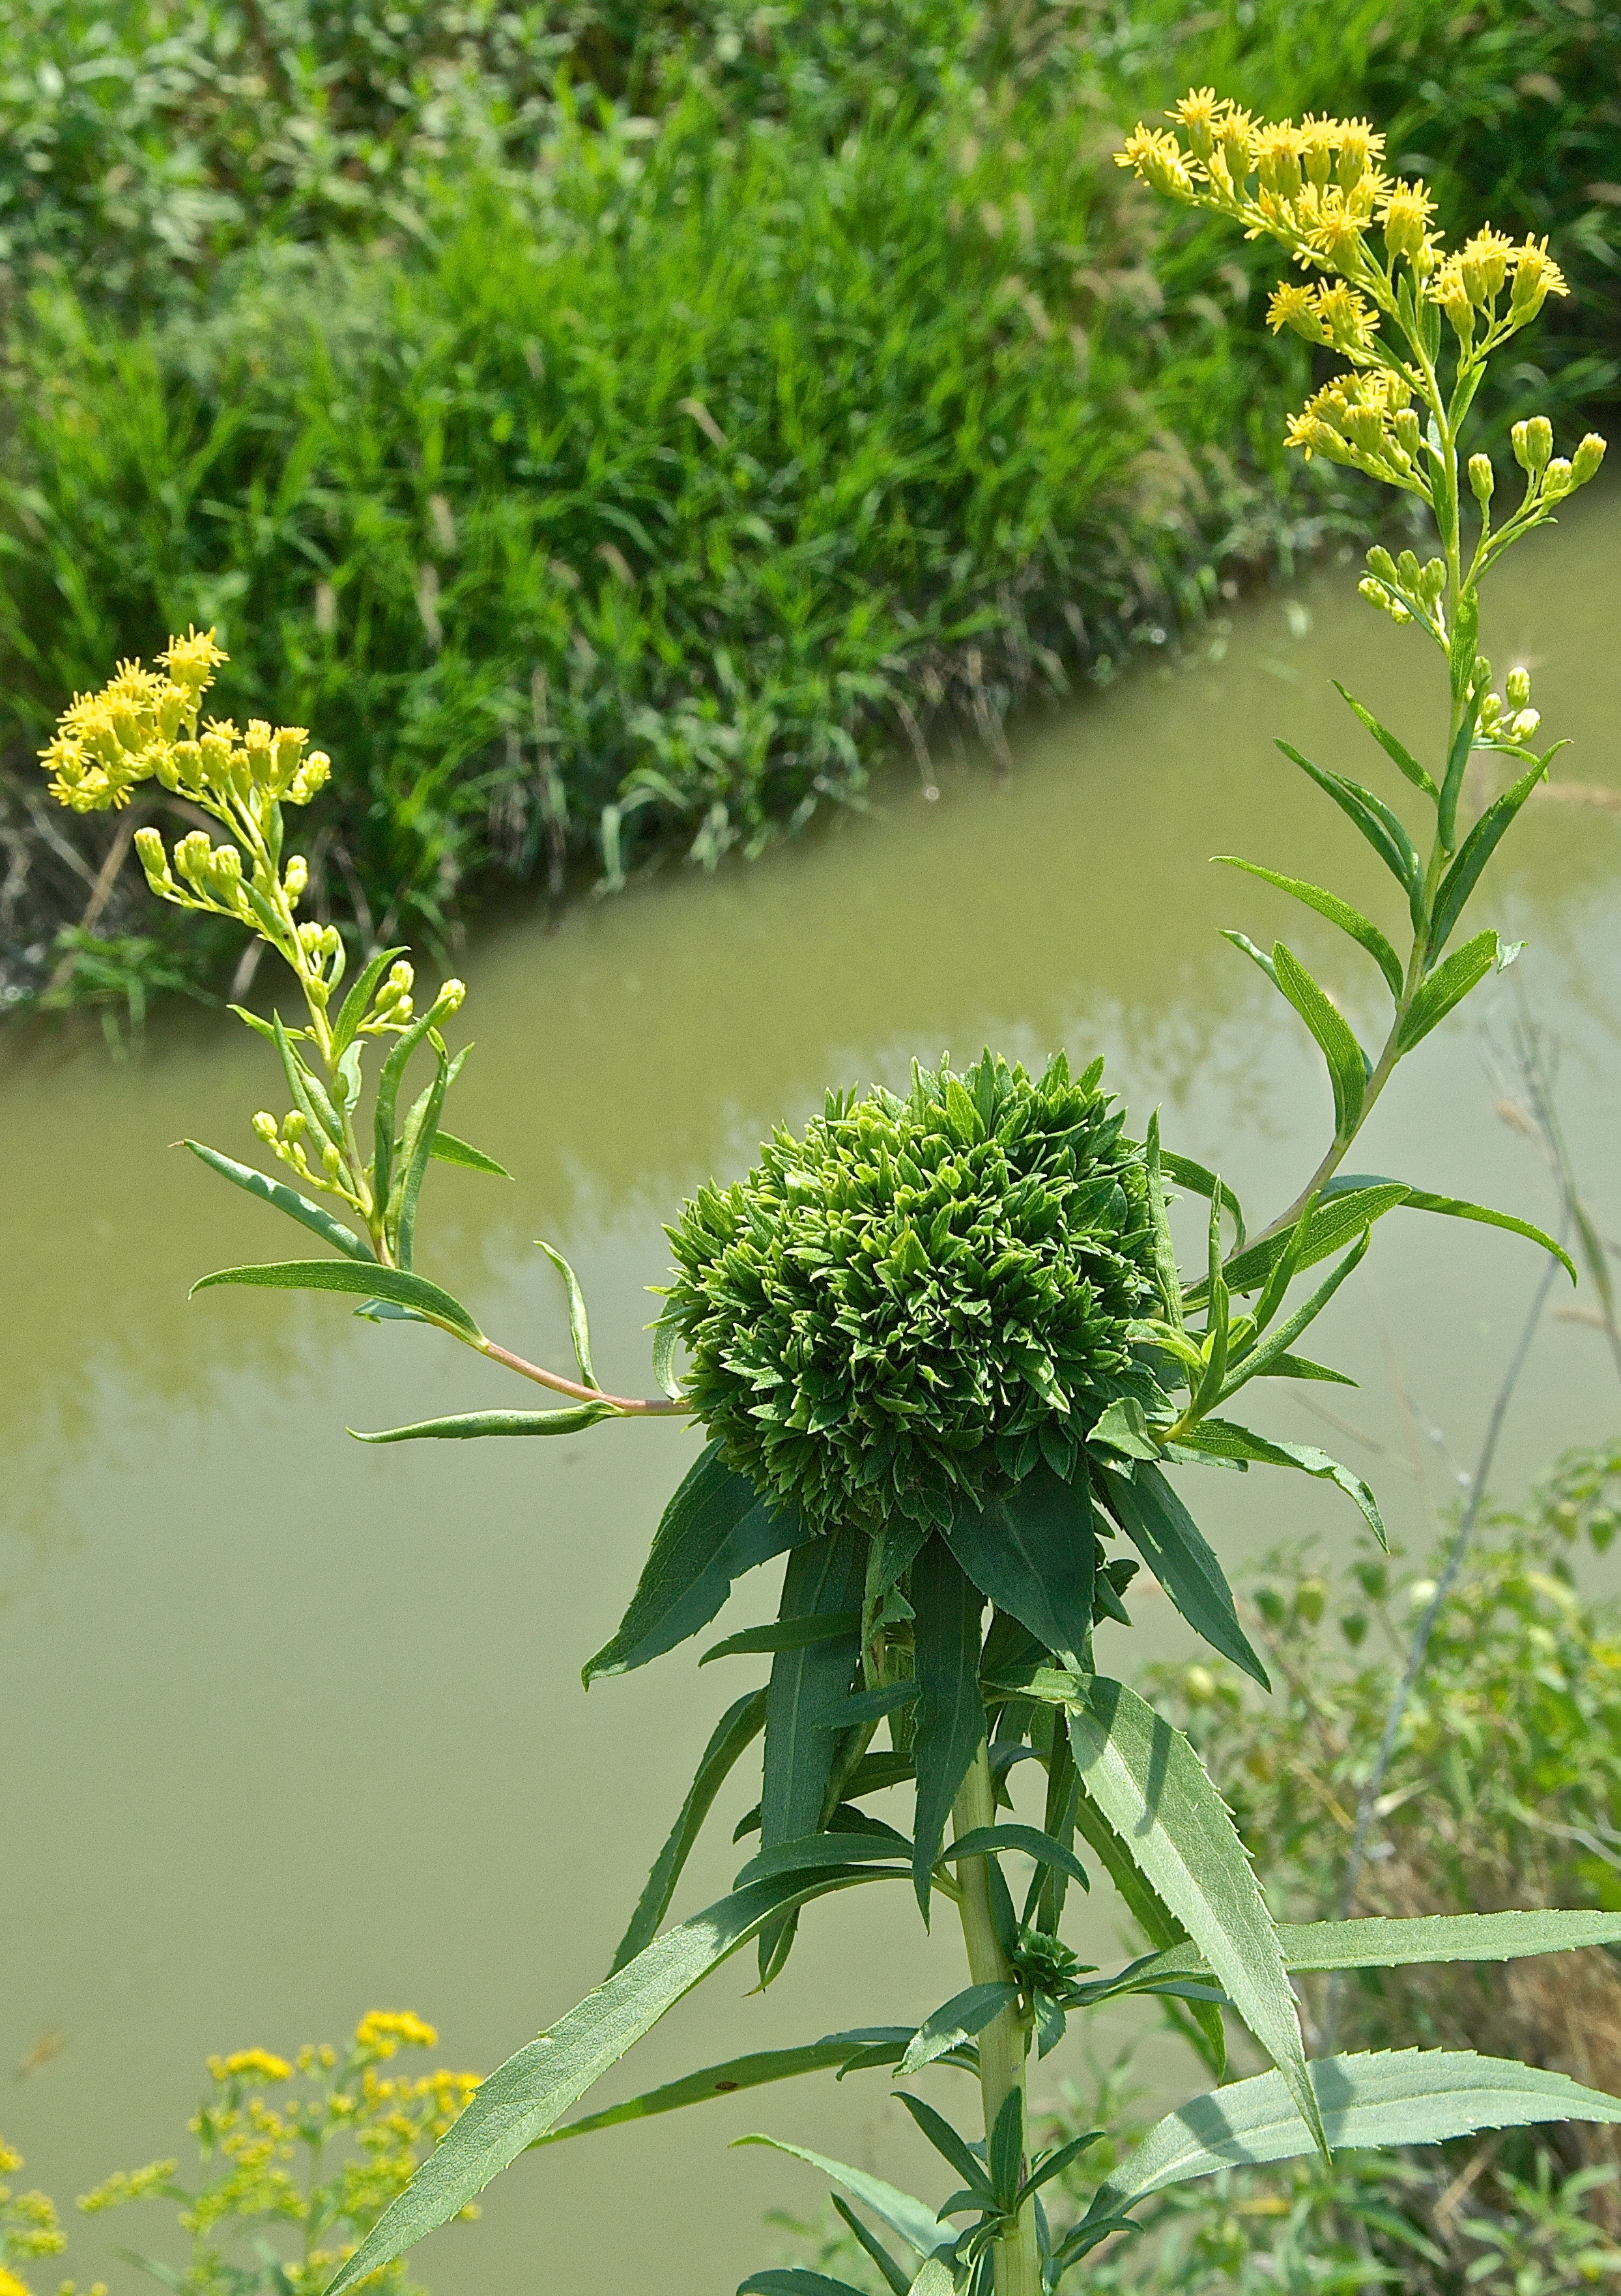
{"x": 613, "y": 426}
{"x": 296, "y": 2160}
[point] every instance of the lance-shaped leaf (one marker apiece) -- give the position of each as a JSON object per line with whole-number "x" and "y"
{"x": 355, "y": 1003}
{"x": 870, "y": 2045}
{"x": 896, "y": 2279}
{"x": 951, "y": 1720}
{"x": 1448, "y": 985}
{"x": 1375, "y": 1941}
{"x": 1348, "y": 1067}
{"x": 715, "y": 1529}
{"x": 955, "y": 2021}
{"x": 1339, "y": 913}
{"x": 462, "y": 1426}
{"x": 866, "y": 1705}
{"x": 390, "y": 1283}
{"x": 319, "y": 1222}
{"x": 1368, "y": 814}
{"x": 734, "y": 1733}
{"x": 794, "y": 2280}
{"x": 579, "y": 1328}
{"x": 309, "y": 1095}
{"x": 1154, "y": 1792}
{"x": 1420, "y": 1200}
{"x": 1179, "y": 1554}
{"x": 1032, "y": 1551}
{"x": 1393, "y": 2098}
{"x": 389, "y": 1078}
{"x": 522, "y": 2099}
{"x": 1206, "y": 2034}
{"x": 1463, "y": 742}
{"x": 823, "y": 1578}
{"x": 1477, "y": 849}
{"x": 811, "y": 1853}
{"x": 1223, "y": 1439}
{"x": 445, "y": 1148}
{"x": 1272, "y": 1357}
{"x": 415, "y": 1146}
{"x": 1187, "y": 1174}
{"x": 917, "y": 2224}
{"x": 991, "y": 1840}
{"x": 1400, "y": 757}
{"x": 785, "y": 1634}
{"x": 1338, "y": 1219}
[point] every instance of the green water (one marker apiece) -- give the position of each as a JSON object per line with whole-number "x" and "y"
{"x": 293, "y": 1728}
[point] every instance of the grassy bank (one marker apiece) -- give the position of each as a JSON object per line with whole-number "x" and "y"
{"x": 612, "y": 433}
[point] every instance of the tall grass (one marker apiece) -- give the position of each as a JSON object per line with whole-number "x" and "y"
{"x": 602, "y": 477}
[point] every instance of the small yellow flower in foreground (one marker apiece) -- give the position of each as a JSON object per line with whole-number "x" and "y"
{"x": 9, "y": 2159}
{"x": 10, "y": 2284}
{"x": 245, "y": 2062}
{"x": 383, "y": 2030}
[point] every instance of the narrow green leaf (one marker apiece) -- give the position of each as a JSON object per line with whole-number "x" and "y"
{"x": 1337, "y": 911}
{"x": 811, "y": 1853}
{"x": 1187, "y": 1174}
{"x": 734, "y": 1733}
{"x": 990, "y": 1840}
{"x": 1448, "y": 985}
{"x": 664, "y": 1337}
{"x": 1420, "y": 1200}
{"x": 715, "y": 1529}
{"x": 1054, "y": 2163}
{"x": 579, "y": 1329}
{"x": 951, "y": 1720}
{"x": 898, "y": 2282}
{"x": 285, "y": 1199}
{"x": 466, "y": 1424}
{"x": 522, "y": 2099}
{"x": 1223, "y": 1439}
{"x": 1006, "y": 2150}
{"x": 1348, "y": 1066}
{"x": 1475, "y": 852}
{"x": 918, "y": 2225}
{"x": 414, "y": 1155}
{"x": 1395, "y": 2097}
{"x": 955, "y": 2021}
{"x": 390, "y": 1283}
{"x": 794, "y": 2280}
{"x": 1165, "y": 1247}
{"x": 866, "y": 1705}
{"x": 1369, "y": 814}
{"x": 1458, "y": 757}
{"x": 823, "y": 1577}
{"x": 1339, "y": 1218}
{"x": 1152, "y": 1917}
{"x": 1274, "y": 1349}
{"x": 389, "y": 1081}
{"x": 1402, "y": 758}
{"x": 1171, "y": 1543}
{"x": 950, "y": 2147}
{"x": 445, "y": 1148}
{"x": 360, "y": 996}
{"x": 1294, "y": 1367}
{"x": 785, "y": 1634}
{"x": 308, "y": 1094}
{"x": 829, "y": 2054}
{"x": 1032, "y": 1551}
{"x": 1155, "y": 1793}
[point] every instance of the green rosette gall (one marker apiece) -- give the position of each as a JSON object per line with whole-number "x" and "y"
{"x": 919, "y": 1297}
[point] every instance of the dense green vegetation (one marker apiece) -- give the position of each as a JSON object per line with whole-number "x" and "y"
{"x": 611, "y": 429}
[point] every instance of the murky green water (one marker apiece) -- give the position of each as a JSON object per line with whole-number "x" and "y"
{"x": 291, "y": 1728}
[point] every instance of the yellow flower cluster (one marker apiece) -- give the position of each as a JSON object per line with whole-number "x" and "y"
{"x": 1366, "y": 420}
{"x": 382, "y": 2031}
{"x": 250, "y": 2065}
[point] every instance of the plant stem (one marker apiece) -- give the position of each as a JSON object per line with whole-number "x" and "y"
{"x": 649, "y": 1406}
{"x": 1002, "y": 2043}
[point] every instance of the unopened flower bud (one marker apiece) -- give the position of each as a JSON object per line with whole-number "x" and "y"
{"x": 1381, "y": 562}
{"x": 1533, "y": 444}
{"x": 296, "y": 1124}
{"x": 1483, "y": 479}
{"x": 1558, "y": 479}
{"x": 1523, "y": 724}
{"x": 1517, "y": 688}
{"x": 153, "y": 859}
{"x": 1407, "y": 571}
{"x": 264, "y": 1125}
{"x": 1584, "y": 462}
{"x": 331, "y": 1158}
{"x": 1432, "y": 580}
{"x": 1409, "y": 437}
{"x": 309, "y": 937}
{"x": 1490, "y": 715}
{"x": 295, "y": 876}
{"x": 401, "y": 979}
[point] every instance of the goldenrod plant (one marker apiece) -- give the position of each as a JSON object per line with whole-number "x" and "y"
{"x": 948, "y": 1363}
{"x": 297, "y": 2158}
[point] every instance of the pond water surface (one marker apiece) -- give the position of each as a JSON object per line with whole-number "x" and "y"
{"x": 292, "y": 1728}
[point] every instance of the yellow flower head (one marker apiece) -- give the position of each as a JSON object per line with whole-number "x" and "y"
{"x": 1359, "y": 148}
{"x": 246, "y": 2064}
{"x": 1537, "y": 276}
{"x": 1201, "y": 113}
{"x": 1279, "y": 143}
{"x": 1295, "y": 308}
{"x": 10, "y": 2285}
{"x": 1483, "y": 266}
{"x": 192, "y": 660}
{"x": 1158, "y": 160}
{"x": 382, "y": 2030}
{"x": 1405, "y": 210}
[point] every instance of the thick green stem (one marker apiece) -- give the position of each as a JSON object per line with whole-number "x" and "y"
{"x": 1002, "y": 2043}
